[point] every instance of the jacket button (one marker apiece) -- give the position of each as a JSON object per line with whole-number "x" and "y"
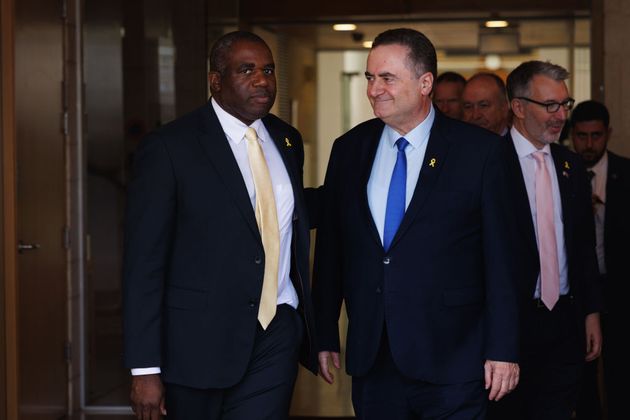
{"x": 252, "y": 303}
{"x": 378, "y": 290}
{"x": 386, "y": 260}
{"x": 258, "y": 260}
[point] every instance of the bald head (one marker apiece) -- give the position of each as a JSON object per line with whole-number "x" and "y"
{"x": 485, "y": 102}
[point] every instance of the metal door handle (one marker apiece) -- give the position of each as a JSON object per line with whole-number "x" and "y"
{"x": 26, "y": 247}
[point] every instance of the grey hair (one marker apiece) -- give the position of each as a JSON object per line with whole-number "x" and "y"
{"x": 518, "y": 81}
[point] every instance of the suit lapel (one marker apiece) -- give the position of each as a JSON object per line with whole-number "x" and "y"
{"x": 521, "y": 200}
{"x": 564, "y": 175}
{"x": 434, "y": 159}
{"x": 215, "y": 144}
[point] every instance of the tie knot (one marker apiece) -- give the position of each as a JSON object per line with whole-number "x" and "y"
{"x": 250, "y": 134}
{"x": 401, "y": 143}
{"x": 539, "y": 156}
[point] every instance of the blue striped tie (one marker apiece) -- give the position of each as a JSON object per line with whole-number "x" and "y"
{"x": 395, "y": 210}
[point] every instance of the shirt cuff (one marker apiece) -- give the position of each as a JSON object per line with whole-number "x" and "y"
{"x": 145, "y": 371}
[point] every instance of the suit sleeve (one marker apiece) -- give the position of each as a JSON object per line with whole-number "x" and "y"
{"x": 314, "y": 203}
{"x": 327, "y": 281}
{"x": 501, "y": 313}
{"x": 149, "y": 225}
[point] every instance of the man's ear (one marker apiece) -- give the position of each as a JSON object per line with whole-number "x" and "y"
{"x": 517, "y": 109}
{"x": 426, "y": 83}
{"x": 214, "y": 78}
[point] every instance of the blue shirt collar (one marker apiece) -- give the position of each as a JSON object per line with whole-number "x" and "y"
{"x": 416, "y": 137}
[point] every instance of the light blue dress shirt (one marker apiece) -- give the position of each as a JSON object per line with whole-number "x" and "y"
{"x": 383, "y": 166}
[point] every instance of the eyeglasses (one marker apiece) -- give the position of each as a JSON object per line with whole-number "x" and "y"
{"x": 552, "y": 107}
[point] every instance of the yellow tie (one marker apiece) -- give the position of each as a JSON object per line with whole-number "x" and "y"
{"x": 267, "y": 219}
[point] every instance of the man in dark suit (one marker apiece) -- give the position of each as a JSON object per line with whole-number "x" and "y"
{"x": 610, "y": 187}
{"x": 553, "y": 228}
{"x": 216, "y": 288}
{"x": 485, "y": 103}
{"x": 413, "y": 238}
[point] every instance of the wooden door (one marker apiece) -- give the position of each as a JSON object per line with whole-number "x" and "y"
{"x": 42, "y": 292}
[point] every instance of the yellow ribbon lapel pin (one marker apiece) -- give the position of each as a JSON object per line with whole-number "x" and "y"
{"x": 433, "y": 162}
{"x": 287, "y": 142}
{"x": 566, "y": 167}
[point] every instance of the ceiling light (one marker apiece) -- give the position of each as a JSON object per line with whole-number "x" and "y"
{"x": 496, "y": 24}
{"x": 493, "y": 61}
{"x": 344, "y": 27}
{"x": 367, "y": 44}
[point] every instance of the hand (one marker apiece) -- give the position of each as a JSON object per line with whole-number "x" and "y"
{"x": 324, "y": 371}
{"x": 147, "y": 397}
{"x": 501, "y": 378}
{"x": 593, "y": 337}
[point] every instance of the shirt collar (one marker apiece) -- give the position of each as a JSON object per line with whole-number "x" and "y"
{"x": 523, "y": 146}
{"x": 601, "y": 167}
{"x": 416, "y": 137}
{"x": 233, "y": 127}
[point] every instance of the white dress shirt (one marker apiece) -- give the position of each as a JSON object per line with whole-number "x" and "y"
{"x": 525, "y": 151}
{"x": 598, "y": 184}
{"x": 234, "y": 130}
{"x": 383, "y": 166}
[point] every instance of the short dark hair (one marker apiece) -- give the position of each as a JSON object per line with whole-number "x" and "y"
{"x": 496, "y": 79}
{"x": 451, "y": 77}
{"x": 220, "y": 49}
{"x": 519, "y": 79}
{"x": 590, "y": 111}
{"x": 422, "y": 57}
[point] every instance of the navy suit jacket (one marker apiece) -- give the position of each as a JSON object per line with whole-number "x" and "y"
{"x": 616, "y": 235}
{"x": 579, "y": 233}
{"x": 194, "y": 259}
{"x": 444, "y": 289}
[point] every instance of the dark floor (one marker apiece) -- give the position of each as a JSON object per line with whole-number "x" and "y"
{"x": 117, "y": 417}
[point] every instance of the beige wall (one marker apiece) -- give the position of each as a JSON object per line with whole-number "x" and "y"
{"x": 302, "y": 93}
{"x": 616, "y": 62}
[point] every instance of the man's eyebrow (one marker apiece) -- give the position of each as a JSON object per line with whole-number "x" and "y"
{"x": 253, "y": 65}
{"x": 384, "y": 74}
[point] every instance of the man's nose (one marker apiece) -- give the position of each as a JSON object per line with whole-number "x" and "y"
{"x": 477, "y": 113}
{"x": 260, "y": 78}
{"x": 373, "y": 88}
{"x": 562, "y": 113}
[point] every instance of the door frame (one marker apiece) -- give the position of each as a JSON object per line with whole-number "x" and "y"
{"x": 8, "y": 259}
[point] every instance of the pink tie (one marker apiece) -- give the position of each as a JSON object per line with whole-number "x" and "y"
{"x": 547, "y": 250}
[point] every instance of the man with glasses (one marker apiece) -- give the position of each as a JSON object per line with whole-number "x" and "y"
{"x": 554, "y": 233}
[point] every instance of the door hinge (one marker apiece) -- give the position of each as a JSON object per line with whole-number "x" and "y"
{"x": 65, "y": 123}
{"x": 66, "y": 237}
{"x": 67, "y": 351}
